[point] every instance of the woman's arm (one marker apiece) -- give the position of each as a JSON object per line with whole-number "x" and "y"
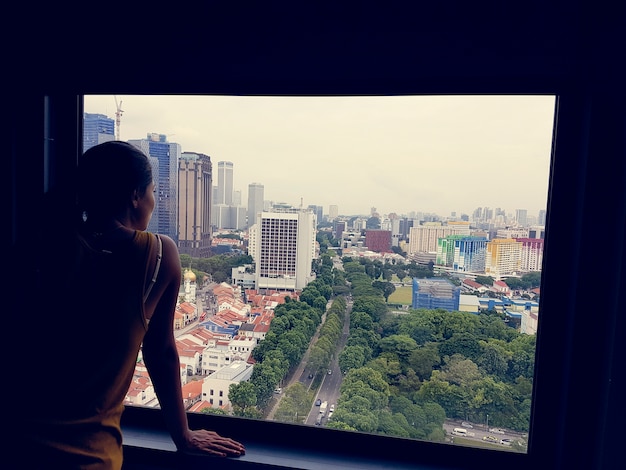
{"x": 163, "y": 364}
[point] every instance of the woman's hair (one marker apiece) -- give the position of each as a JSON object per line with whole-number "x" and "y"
{"x": 108, "y": 174}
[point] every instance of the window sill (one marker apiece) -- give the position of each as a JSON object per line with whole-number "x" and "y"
{"x": 275, "y": 445}
{"x": 151, "y": 449}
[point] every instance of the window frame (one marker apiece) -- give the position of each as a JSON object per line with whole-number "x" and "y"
{"x": 589, "y": 157}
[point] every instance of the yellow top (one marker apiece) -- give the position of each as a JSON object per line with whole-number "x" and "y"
{"x": 87, "y": 352}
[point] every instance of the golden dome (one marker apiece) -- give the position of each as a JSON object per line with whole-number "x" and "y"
{"x": 189, "y": 275}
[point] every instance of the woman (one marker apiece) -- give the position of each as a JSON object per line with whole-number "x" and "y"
{"x": 109, "y": 287}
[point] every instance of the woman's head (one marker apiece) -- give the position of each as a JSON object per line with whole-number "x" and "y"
{"x": 115, "y": 179}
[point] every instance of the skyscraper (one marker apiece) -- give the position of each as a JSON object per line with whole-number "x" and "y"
{"x": 333, "y": 212}
{"x": 521, "y": 217}
{"x": 195, "y": 188}
{"x": 541, "y": 218}
{"x": 97, "y": 128}
{"x": 318, "y": 211}
{"x": 256, "y": 194}
{"x": 164, "y": 157}
{"x": 227, "y": 211}
{"x": 284, "y": 248}
{"x": 224, "y": 183}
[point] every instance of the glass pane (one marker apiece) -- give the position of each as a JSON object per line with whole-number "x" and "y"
{"x": 361, "y": 263}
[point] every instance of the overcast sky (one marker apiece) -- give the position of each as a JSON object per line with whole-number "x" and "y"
{"x": 433, "y": 154}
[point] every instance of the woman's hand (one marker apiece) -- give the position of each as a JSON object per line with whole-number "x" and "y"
{"x": 202, "y": 441}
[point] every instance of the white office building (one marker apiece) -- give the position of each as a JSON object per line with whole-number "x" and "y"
{"x": 283, "y": 246}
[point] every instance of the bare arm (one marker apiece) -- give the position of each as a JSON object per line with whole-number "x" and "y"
{"x": 163, "y": 364}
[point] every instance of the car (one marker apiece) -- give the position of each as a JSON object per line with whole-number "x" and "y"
{"x": 497, "y": 430}
{"x": 311, "y": 375}
{"x": 467, "y": 425}
{"x": 332, "y": 408}
{"x": 318, "y": 402}
{"x": 505, "y": 442}
{"x": 490, "y": 438}
{"x": 278, "y": 390}
{"x": 330, "y": 371}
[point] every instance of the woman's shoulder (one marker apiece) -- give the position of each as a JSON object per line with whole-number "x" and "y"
{"x": 169, "y": 250}
{"x": 166, "y": 241}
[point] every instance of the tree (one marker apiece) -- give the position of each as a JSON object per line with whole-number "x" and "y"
{"x": 352, "y": 357}
{"x": 485, "y": 280}
{"x": 460, "y": 371}
{"x": 295, "y": 404}
{"x": 461, "y": 343}
{"x": 242, "y": 396}
{"x": 494, "y": 359}
{"x": 374, "y": 306}
{"x": 532, "y": 279}
{"x": 366, "y": 383}
{"x": 387, "y": 365}
{"x": 386, "y": 288}
{"x": 401, "y": 345}
{"x": 424, "y": 359}
{"x": 393, "y": 424}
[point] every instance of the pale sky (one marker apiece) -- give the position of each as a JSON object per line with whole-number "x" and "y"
{"x": 434, "y": 154}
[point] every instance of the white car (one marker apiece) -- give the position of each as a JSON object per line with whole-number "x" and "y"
{"x": 332, "y": 408}
{"x": 497, "y": 430}
{"x": 467, "y": 425}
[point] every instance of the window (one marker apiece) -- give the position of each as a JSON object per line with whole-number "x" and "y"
{"x": 460, "y": 49}
{"x": 447, "y": 168}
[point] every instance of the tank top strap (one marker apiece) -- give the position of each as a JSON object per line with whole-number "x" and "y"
{"x": 159, "y": 257}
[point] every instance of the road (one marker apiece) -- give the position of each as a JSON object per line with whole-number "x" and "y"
{"x": 479, "y": 431}
{"x": 331, "y": 383}
{"x": 329, "y": 388}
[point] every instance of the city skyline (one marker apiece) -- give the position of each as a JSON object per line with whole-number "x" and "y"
{"x": 432, "y": 154}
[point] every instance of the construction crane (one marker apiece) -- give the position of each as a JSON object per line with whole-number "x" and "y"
{"x": 118, "y": 117}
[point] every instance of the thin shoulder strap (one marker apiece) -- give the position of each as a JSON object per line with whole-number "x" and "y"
{"x": 156, "y": 269}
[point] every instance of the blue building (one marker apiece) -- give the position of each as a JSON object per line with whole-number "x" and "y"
{"x": 469, "y": 254}
{"x": 435, "y": 293}
{"x": 97, "y": 128}
{"x": 164, "y": 158}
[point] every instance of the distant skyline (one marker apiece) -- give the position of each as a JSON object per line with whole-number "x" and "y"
{"x": 432, "y": 154}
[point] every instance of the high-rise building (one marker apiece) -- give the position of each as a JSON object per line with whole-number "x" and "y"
{"x": 256, "y": 195}
{"x": 532, "y": 254}
{"x": 521, "y": 217}
{"x": 541, "y": 217}
{"x": 284, "y": 249}
{"x": 333, "y": 212}
{"x": 503, "y": 257}
{"x": 164, "y": 158}
{"x": 224, "y": 183}
{"x": 445, "y": 250}
{"x": 318, "y": 211}
{"x": 339, "y": 227}
{"x": 469, "y": 254}
{"x": 195, "y": 194}
{"x": 423, "y": 238}
{"x": 227, "y": 211}
{"x": 97, "y": 128}
{"x": 237, "y": 197}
